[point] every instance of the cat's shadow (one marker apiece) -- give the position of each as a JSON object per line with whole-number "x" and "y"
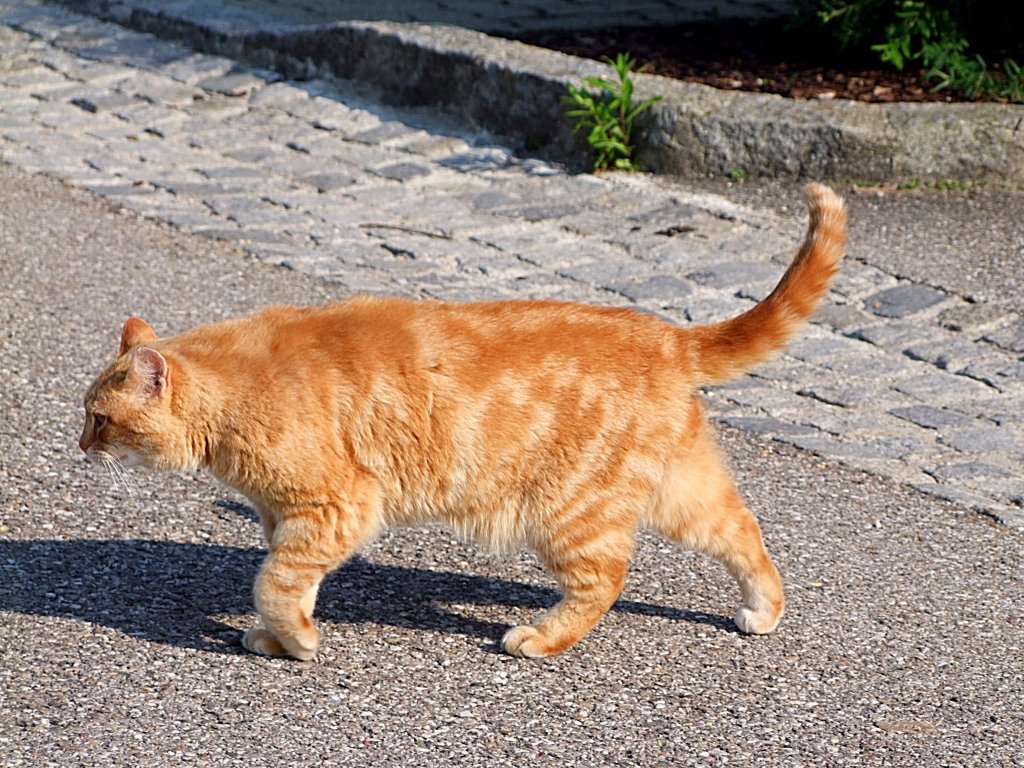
{"x": 170, "y": 592}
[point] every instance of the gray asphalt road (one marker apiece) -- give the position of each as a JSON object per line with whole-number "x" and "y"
{"x": 121, "y": 614}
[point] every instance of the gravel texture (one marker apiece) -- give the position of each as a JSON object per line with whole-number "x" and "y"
{"x": 120, "y": 613}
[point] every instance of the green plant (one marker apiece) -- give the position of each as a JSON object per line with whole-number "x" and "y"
{"x": 942, "y": 186}
{"x": 920, "y": 32}
{"x": 932, "y": 35}
{"x": 738, "y": 174}
{"x": 607, "y": 114}
{"x": 972, "y": 76}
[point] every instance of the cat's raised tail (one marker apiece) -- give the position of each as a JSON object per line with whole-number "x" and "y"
{"x": 722, "y": 351}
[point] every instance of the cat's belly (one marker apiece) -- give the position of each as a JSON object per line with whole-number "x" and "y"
{"x": 494, "y": 523}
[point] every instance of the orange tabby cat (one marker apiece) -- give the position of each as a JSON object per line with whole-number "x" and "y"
{"x": 560, "y": 426}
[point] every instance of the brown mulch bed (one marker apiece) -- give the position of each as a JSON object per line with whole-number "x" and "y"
{"x": 769, "y": 57}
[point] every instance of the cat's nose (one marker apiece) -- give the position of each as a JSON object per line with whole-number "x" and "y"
{"x": 85, "y": 441}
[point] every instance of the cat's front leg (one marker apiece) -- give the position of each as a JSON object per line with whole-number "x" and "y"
{"x": 306, "y": 543}
{"x": 285, "y": 592}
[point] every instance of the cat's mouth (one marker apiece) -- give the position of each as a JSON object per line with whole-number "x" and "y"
{"x": 122, "y": 457}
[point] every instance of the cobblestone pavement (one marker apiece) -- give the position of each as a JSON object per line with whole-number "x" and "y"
{"x": 895, "y": 377}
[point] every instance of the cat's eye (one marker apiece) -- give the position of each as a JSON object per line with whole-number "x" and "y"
{"x": 98, "y": 420}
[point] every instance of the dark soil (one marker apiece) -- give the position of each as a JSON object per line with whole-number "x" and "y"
{"x": 767, "y": 57}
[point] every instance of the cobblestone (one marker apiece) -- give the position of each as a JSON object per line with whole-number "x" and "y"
{"x": 835, "y": 447}
{"x": 1003, "y": 410}
{"x": 1000, "y": 374}
{"x": 893, "y": 335}
{"x": 937, "y": 388}
{"x": 663, "y": 290}
{"x": 970, "y": 470}
{"x": 764, "y": 425}
{"x": 825, "y": 348}
{"x": 895, "y": 378}
{"x": 930, "y": 417}
{"x": 404, "y": 171}
{"x": 971, "y": 317}
{"x": 950, "y": 354}
{"x": 736, "y": 274}
{"x": 869, "y": 366}
{"x": 232, "y": 84}
{"x": 1011, "y": 337}
{"x": 903, "y": 300}
{"x": 1000, "y": 439}
{"x": 856, "y": 284}
{"x": 978, "y": 502}
{"x": 850, "y": 396}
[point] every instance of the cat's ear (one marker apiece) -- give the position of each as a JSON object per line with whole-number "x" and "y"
{"x": 149, "y": 374}
{"x": 135, "y": 333}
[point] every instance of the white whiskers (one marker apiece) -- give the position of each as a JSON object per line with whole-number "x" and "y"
{"x": 118, "y": 474}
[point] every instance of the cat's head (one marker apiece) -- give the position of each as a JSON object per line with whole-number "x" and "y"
{"x": 129, "y": 411}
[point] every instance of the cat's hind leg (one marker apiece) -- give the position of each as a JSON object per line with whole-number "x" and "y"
{"x": 698, "y": 506}
{"x": 589, "y": 558}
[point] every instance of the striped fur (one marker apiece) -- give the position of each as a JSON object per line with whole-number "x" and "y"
{"x": 558, "y": 426}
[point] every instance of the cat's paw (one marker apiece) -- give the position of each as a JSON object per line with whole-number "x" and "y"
{"x": 525, "y": 642}
{"x": 757, "y": 622}
{"x": 263, "y": 642}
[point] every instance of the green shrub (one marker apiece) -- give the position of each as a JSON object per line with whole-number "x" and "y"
{"x": 607, "y": 114}
{"x": 937, "y": 36}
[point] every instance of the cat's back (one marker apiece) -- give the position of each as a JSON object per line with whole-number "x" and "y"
{"x": 525, "y": 335}
{"x": 473, "y": 344}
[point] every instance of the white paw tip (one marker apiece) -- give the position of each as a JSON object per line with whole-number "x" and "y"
{"x": 523, "y": 642}
{"x": 754, "y": 622}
